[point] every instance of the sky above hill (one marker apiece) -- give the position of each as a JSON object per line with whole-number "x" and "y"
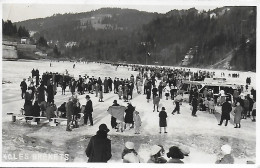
{"x": 28, "y": 9}
{"x": 19, "y": 10}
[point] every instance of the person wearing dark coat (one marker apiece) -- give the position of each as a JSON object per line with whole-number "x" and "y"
{"x": 23, "y": 86}
{"x": 110, "y": 82}
{"x": 226, "y": 109}
{"x": 129, "y": 114}
{"x": 99, "y": 147}
{"x": 50, "y": 93}
{"x": 162, "y": 119}
{"x": 41, "y": 93}
{"x": 194, "y": 105}
{"x": 37, "y": 77}
{"x": 36, "y": 111}
{"x": 148, "y": 94}
{"x": 105, "y": 85}
{"x": 69, "y": 113}
{"x": 88, "y": 111}
{"x": 73, "y": 85}
{"x": 28, "y": 103}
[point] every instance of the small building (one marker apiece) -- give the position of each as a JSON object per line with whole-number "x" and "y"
{"x": 25, "y": 40}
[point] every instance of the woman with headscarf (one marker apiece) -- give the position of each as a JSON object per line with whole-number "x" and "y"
{"x": 156, "y": 156}
{"x": 129, "y": 155}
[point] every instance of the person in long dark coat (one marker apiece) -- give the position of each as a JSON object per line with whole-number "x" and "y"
{"x": 23, "y": 86}
{"x": 162, "y": 119}
{"x": 50, "y": 93}
{"x": 194, "y": 104}
{"x": 105, "y": 85}
{"x": 238, "y": 115}
{"x": 73, "y": 85}
{"x": 110, "y": 84}
{"x": 41, "y": 93}
{"x": 88, "y": 111}
{"x": 99, "y": 147}
{"x": 36, "y": 110}
{"x": 28, "y": 104}
{"x": 129, "y": 114}
{"x": 226, "y": 109}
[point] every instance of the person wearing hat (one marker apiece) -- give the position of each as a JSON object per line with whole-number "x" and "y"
{"x": 226, "y": 158}
{"x": 99, "y": 147}
{"x": 156, "y": 155}
{"x": 113, "y": 119}
{"x": 162, "y": 120}
{"x": 129, "y": 155}
{"x": 88, "y": 111}
{"x": 175, "y": 154}
{"x": 23, "y": 86}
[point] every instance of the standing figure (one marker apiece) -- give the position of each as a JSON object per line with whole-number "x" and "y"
{"x": 148, "y": 95}
{"x": 69, "y": 112}
{"x": 99, "y": 147}
{"x": 226, "y": 109}
{"x": 129, "y": 112}
{"x": 194, "y": 104}
{"x": 137, "y": 122}
{"x": 23, "y": 86}
{"x": 156, "y": 101}
{"x": 162, "y": 120}
{"x": 88, "y": 111}
{"x": 238, "y": 115}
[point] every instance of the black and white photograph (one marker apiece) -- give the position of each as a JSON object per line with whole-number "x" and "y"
{"x": 115, "y": 81}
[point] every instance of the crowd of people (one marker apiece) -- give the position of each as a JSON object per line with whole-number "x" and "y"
{"x": 151, "y": 82}
{"x": 99, "y": 150}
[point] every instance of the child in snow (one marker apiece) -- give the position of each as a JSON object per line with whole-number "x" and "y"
{"x": 167, "y": 91}
{"x": 137, "y": 122}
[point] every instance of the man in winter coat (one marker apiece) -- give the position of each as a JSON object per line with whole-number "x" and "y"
{"x": 23, "y": 86}
{"x": 88, "y": 111}
{"x": 129, "y": 114}
{"x": 194, "y": 104}
{"x": 99, "y": 147}
{"x": 226, "y": 109}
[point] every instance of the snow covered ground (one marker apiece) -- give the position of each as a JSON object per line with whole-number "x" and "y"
{"x": 201, "y": 134}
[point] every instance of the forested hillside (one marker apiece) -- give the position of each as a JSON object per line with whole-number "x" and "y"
{"x": 113, "y": 34}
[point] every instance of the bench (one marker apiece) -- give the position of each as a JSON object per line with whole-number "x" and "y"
{"x": 52, "y": 123}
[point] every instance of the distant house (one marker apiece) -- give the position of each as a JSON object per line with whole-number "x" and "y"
{"x": 25, "y": 40}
